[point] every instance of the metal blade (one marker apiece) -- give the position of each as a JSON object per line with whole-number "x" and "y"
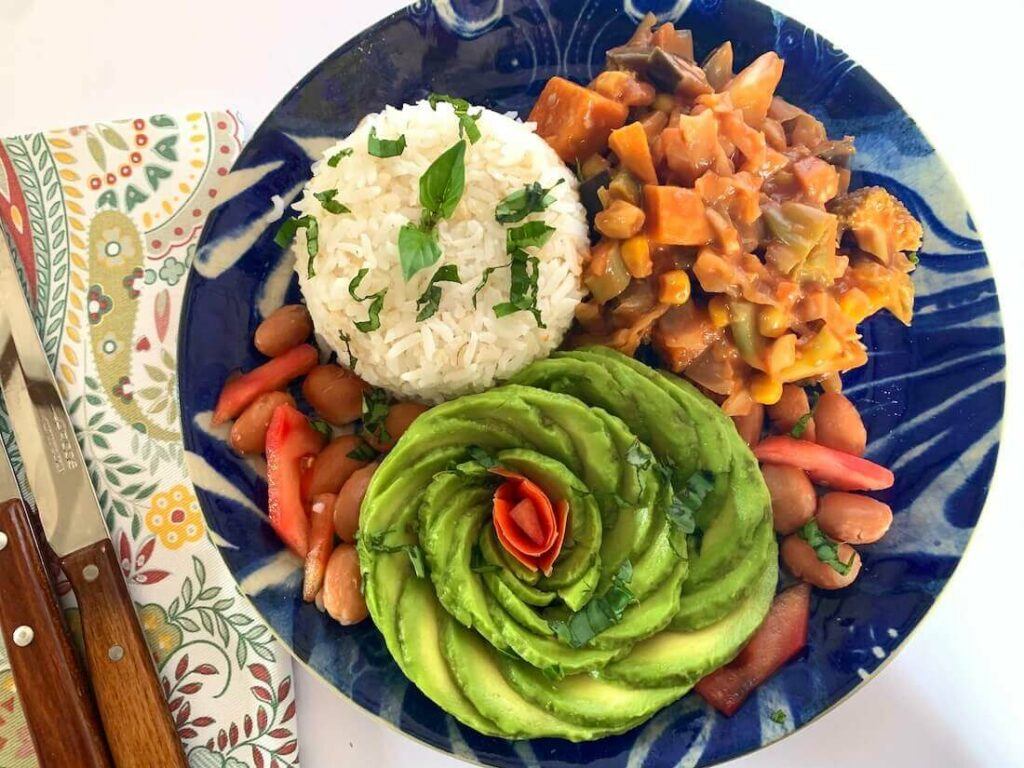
{"x": 54, "y": 466}
{"x": 8, "y": 482}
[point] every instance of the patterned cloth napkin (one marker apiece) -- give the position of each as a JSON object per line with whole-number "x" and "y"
{"x": 105, "y": 219}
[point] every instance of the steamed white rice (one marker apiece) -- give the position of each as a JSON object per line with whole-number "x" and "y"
{"x": 460, "y": 349}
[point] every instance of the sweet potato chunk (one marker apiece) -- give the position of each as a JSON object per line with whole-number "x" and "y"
{"x": 675, "y": 216}
{"x": 574, "y": 120}
{"x": 630, "y": 144}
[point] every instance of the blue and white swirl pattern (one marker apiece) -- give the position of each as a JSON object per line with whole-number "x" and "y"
{"x": 932, "y": 394}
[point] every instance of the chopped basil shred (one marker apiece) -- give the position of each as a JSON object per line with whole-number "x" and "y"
{"x": 363, "y": 452}
{"x": 286, "y": 236}
{"x": 523, "y": 286}
{"x": 385, "y": 147}
{"x": 801, "y": 425}
{"x": 825, "y": 548}
{"x": 914, "y": 258}
{"x": 353, "y": 285}
{"x": 336, "y": 158}
{"x": 532, "y": 198}
{"x": 532, "y": 234}
{"x": 377, "y": 543}
{"x": 372, "y": 322}
{"x": 321, "y": 426}
{"x": 352, "y": 359}
{"x": 328, "y": 202}
{"x": 599, "y": 613}
{"x": 686, "y": 502}
{"x": 467, "y": 122}
{"x": 485, "y": 277}
{"x": 430, "y": 301}
{"x": 778, "y": 716}
{"x": 375, "y": 411}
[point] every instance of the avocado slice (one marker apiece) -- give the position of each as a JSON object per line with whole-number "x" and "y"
{"x": 420, "y": 624}
{"x": 682, "y": 658}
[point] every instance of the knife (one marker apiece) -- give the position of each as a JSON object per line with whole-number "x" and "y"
{"x": 54, "y": 695}
{"x": 137, "y": 723}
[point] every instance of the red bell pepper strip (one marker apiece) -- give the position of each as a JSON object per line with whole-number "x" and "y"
{"x": 826, "y": 466}
{"x": 290, "y": 439}
{"x": 321, "y": 545}
{"x": 782, "y": 635}
{"x": 238, "y": 394}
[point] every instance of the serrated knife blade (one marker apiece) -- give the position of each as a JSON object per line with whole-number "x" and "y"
{"x": 53, "y": 462}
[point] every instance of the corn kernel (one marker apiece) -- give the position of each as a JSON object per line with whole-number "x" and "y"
{"x": 636, "y": 252}
{"x": 674, "y": 287}
{"x": 772, "y": 322}
{"x": 855, "y": 304}
{"x": 718, "y": 311}
{"x": 765, "y": 390}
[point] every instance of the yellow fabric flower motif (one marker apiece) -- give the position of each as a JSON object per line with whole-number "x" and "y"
{"x": 175, "y": 518}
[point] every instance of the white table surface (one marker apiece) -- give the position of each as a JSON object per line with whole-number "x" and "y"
{"x": 953, "y": 697}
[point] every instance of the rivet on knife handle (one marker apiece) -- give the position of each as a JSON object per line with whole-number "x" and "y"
{"x": 52, "y": 689}
{"x": 139, "y": 728}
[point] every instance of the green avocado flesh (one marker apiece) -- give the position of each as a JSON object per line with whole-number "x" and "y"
{"x": 494, "y": 643}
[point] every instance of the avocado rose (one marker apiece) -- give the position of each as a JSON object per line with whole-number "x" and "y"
{"x": 668, "y": 563}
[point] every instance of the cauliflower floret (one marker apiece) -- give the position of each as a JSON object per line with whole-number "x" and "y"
{"x": 880, "y": 223}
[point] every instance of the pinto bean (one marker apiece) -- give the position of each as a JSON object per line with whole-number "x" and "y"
{"x": 350, "y": 499}
{"x": 853, "y": 518}
{"x": 751, "y": 426}
{"x": 342, "y": 596}
{"x": 335, "y": 392}
{"x": 791, "y": 407}
{"x": 333, "y": 466}
{"x": 286, "y": 327}
{"x": 838, "y": 424}
{"x": 793, "y": 497}
{"x": 802, "y": 561}
{"x": 249, "y": 432}
{"x": 400, "y": 417}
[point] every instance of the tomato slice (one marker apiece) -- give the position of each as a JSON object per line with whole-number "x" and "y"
{"x": 527, "y": 525}
{"x": 782, "y": 635}
{"x": 239, "y": 393}
{"x": 826, "y": 466}
{"x": 290, "y": 439}
{"x": 547, "y": 561}
{"x": 321, "y": 545}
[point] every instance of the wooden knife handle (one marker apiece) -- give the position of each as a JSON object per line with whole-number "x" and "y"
{"x": 139, "y": 728}
{"x": 53, "y": 691}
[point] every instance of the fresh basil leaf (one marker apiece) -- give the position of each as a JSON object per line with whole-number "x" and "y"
{"x": 385, "y": 147}
{"x": 825, "y": 548}
{"x": 599, "y": 613}
{"x": 375, "y": 412}
{"x": 532, "y": 198}
{"x": 469, "y": 128}
{"x": 442, "y": 185}
{"x": 352, "y": 360}
{"x": 372, "y": 322}
{"x": 531, "y": 234}
{"x": 363, "y": 452}
{"x": 430, "y": 301}
{"x": 417, "y": 249}
{"x": 336, "y": 158}
{"x": 328, "y": 202}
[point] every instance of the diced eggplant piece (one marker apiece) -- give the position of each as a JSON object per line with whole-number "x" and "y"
{"x": 836, "y": 152}
{"x": 675, "y": 75}
{"x": 630, "y": 57}
{"x": 591, "y": 199}
{"x": 718, "y": 66}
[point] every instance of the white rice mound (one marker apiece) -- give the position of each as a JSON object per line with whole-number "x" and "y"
{"x": 460, "y": 349}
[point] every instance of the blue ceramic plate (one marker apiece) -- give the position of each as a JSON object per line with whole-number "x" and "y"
{"x": 932, "y": 395}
